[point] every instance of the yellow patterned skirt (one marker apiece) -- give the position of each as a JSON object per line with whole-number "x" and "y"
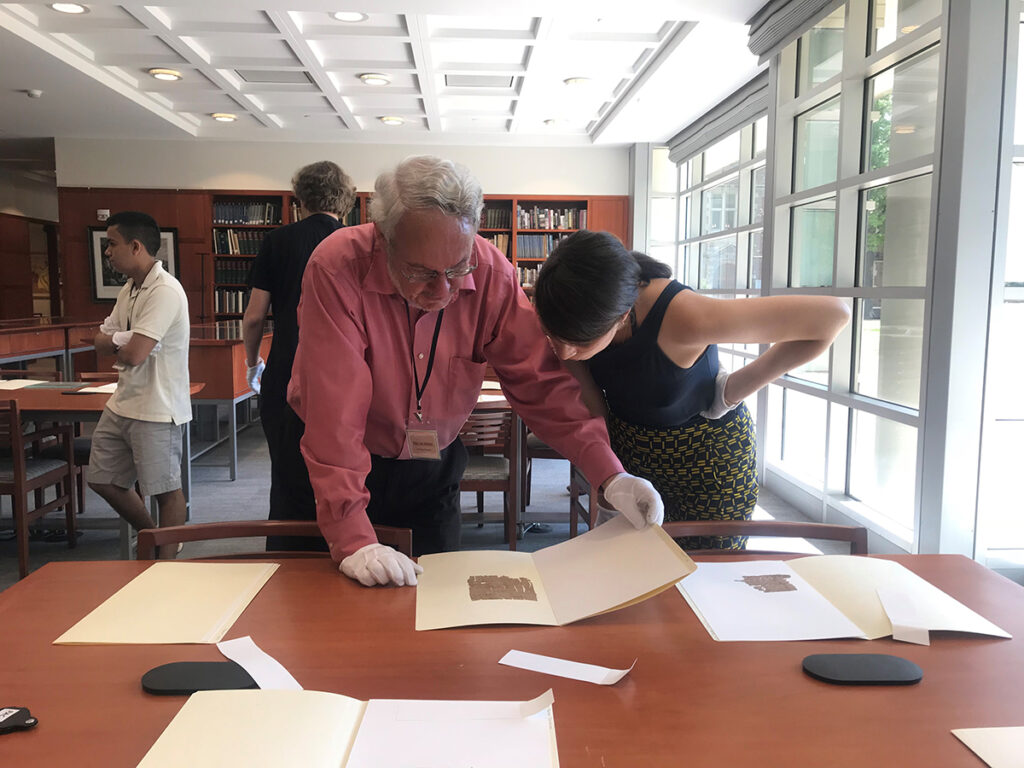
{"x": 703, "y": 471}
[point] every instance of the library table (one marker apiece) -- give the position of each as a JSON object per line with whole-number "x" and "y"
{"x": 41, "y": 337}
{"x": 217, "y": 357}
{"x": 50, "y": 401}
{"x": 689, "y": 701}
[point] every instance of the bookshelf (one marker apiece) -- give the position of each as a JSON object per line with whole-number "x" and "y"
{"x": 526, "y": 228}
{"x": 240, "y": 220}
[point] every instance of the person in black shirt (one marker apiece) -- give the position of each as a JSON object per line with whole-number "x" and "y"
{"x": 326, "y": 194}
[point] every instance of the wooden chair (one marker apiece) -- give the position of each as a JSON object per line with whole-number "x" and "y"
{"x": 151, "y": 538}
{"x": 578, "y": 485}
{"x": 22, "y": 472}
{"x": 82, "y": 446}
{"x": 856, "y": 536}
{"x": 487, "y": 436}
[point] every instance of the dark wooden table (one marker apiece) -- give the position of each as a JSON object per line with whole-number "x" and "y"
{"x": 688, "y": 702}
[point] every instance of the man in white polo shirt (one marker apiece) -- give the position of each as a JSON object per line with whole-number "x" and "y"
{"x": 139, "y": 434}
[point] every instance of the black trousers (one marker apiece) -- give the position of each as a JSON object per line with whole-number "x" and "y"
{"x": 291, "y": 495}
{"x": 411, "y": 493}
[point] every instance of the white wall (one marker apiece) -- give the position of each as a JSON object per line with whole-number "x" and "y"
{"x": 21, "y": 196}
{"x": 269, "y": 165}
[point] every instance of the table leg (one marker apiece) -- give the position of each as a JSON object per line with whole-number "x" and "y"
{"x": 233, "y": 438}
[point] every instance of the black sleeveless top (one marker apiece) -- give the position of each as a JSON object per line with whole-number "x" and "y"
{"x": 643, "y": 386}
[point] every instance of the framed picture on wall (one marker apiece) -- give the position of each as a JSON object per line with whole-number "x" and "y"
{"x": 107, "y": 281}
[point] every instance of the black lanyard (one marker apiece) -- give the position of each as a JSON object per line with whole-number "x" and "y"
{"x": 430, "y": 360}
{"x": 133, "y": 296}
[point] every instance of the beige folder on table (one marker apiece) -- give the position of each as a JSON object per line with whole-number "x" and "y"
{"x": 173, "y": 602}
{"x": 610, "y": 567}
{"x": 313, "y": 729}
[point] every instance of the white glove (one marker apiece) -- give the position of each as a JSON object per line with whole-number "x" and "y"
{"x": 719, "y": 407}
{"x": 109, "y": 327}
{"x": 120, "y": 338}
{"x": 253, "y": 373}
{"x": 636, "y": 499}
{"x": 380, "y": 564}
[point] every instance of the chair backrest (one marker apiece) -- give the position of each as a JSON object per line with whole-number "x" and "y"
{"x": 856, "y": 536}
{"x": 151, "y": 538}
{"x": 97, "y": 376}
{"x": 488, "y": 432}
{"x": 10, "y": 429}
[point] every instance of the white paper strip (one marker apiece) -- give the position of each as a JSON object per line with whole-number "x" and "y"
{"x": 907, "y": 624}
{"x": 19, "y": 383}
{"x": 101, "y": 388}
{"x": 574, "y": 670}
{"x": 267, "y": 671}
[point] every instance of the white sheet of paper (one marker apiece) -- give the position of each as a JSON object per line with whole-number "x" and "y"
{"x": 574, "y": 670}
{"x": 172, "y": 602}
{"x": 258, "y": 729}
{"x": 456, "y": 734}
{"x": 100, "y": 388}
{"x": 490, "y": 398}
{"x": 19, "y": 383}
{"x": 491, "y": 385}
{"x": 998, "y": 747}
{"x": 610, "y": 567}
{"x": 907, "y": 622}
{"x": 761, "y": 600}
{"x": 267, "y": 671}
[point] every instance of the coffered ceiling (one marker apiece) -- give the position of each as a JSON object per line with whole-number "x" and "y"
{"x": 564, "y": 73}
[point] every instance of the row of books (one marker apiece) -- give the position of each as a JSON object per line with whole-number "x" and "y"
{"x": 496, "y": 218}
{"x": 350, "y": 220}
{"x": 247, "y": 212}
{"x": 536, "y": 246}
{"x": 527, "y": 275}
{"x": 230, "y": 300}
{"x": 500, "y": 241}
{"x": 231, "y": 270}
{"x": 551, "y": 218}
{"x": 237, "y": 241}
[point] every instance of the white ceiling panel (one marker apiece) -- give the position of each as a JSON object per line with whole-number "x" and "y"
{"x": 515, "y": 58}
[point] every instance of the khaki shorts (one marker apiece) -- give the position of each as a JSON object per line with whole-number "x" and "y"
{"x": 125, "y": 450}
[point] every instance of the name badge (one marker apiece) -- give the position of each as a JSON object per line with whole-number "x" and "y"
{"x": 423, "y": 443}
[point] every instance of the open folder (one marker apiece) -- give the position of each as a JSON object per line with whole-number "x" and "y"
{"x": 311, "y": 729}
{"x": 822, "y": 597}
{"x": 173, "y": 602}
{"x": 610, "y": 567}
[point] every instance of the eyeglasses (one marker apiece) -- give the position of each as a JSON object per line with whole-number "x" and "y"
{"x": 415, "y": 275}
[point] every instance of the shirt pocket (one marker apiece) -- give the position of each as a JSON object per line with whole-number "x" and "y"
{"x": 465, "y": 377}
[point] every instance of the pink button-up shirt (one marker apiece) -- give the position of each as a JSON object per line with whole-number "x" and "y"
{"x": 352, "y": 381}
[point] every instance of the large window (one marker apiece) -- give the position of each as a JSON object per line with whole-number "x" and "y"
{"x": 855, "y": 150}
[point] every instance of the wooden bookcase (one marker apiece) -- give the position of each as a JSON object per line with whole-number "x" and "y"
{"x": 240, "y": 220}
{"x": 526, "y": 228}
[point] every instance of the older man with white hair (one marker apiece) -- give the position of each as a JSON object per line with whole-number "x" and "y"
{"x": 397, "y": 323}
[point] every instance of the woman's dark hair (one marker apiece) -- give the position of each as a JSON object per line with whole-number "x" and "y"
{"x": 588, "y": 283}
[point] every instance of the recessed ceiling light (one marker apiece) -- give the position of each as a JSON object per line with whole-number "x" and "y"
{"x": 391, "y": 120}
{"x": 224, "y": 117}
{"x": 375, "y": 78}
{"x": 69, "y": 8}
{"x": 576, "y": 81}
{"x": 164, "y": 74}
{"x": 352, "y": 17}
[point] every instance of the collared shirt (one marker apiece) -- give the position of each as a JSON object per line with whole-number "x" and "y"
{"x": 157, "y": 388}
{"x": 352, "y": 383}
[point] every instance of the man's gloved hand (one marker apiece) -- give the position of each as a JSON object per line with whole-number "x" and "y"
{"x": 253, "y": 373}
{"x": 719, "y": 406}
{"x": 109, "y": 327}
{"x": 380, "y": 564}
{"x": 635, "y": 498}
{"x": 120, "y": 338}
